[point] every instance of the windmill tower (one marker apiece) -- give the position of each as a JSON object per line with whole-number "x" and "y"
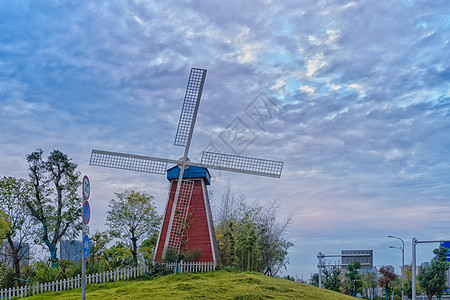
{"x": 188, "y": 223}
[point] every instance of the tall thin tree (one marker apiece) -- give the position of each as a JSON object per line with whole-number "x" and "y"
{"x": 56, "y": 204}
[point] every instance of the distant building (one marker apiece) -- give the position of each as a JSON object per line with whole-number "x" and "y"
{"x": 424, "y": 265}
{"x": 365, "y": 257}
{"x": 70, "y": 249}
{"x": 6, "y": 254}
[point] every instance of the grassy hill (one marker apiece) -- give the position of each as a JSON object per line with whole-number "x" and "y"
{"x": 212, "y": 285}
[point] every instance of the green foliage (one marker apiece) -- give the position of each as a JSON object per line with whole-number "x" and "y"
{"x": 171, "y": 255}
{"x": 147, "y": 248}
{"x": 44, "y": 273}
{"x": 354, "y": 282}
{"x": 69, "y": 269}
{"x": 433, "y": 280}
{"x": 370, "y": 283}
{"x": 192, "y": 255}
{"x": 132, "y": 218}
{"x": 314, "y": 280}
{"x": 98, "y": 242}
{"x": 387, "y": 280}
{"x": 56, "y": 204}
{"x": 118, "y": 256}
{"x": 156, "y": 270}
{"x": 332, "y": 279}
{"x": 5, "y": 226}
{"x": 249, "y": 237}
{"x": 7, "y": 277}
{"x": 21, "y": 228}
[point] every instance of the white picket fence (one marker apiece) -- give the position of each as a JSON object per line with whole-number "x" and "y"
{"x": 116, "y": 275}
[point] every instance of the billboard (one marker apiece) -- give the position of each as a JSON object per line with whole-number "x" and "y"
{"x": 365, "y": 257}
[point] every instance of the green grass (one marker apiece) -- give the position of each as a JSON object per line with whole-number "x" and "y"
{"x": 212, "y": 285}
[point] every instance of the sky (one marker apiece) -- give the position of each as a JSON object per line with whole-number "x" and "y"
{"x": 354, "y": 97}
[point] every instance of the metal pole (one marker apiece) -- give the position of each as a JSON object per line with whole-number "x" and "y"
{"x": 413, "y": 267}
{"x": 319, "y": 266}
{"x": 403, "y": 263}
{"x": 83, "y": 277}
{"x": 403, "y": 270}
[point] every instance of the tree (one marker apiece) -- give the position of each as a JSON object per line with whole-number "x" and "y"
{"x": 370, "y": 283}
{"x": 147, "y": 248}
{"x": 387, "y": 279}
{"x": 132, "y": 218}
{"x": 98, "y": 242}
{"x": 332, "y": 279}
{"x": 4, "y": 226}
{"x": 249, "y": 237}
{"x": 56, "y": 204}
{"x": 14, "y": 194}
{"x": 433, "y": 280}
{"x": 407, "y": 272}
{"x": 355, "y": 283}
{"x": 314, "y": 280}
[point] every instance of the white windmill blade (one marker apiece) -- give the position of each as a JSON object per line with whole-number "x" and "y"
{"x": 241, "y": 164}
{"x": 190, "y": 107}
{"x": 130, "y": 162}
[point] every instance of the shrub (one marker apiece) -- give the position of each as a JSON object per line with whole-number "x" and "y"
{"x": 156, "y": 270}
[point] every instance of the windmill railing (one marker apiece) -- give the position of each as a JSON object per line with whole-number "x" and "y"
{"x": 108, "y": 276}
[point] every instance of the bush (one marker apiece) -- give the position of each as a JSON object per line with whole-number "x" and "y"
{"x": 69, "y": 268}
{"x": 7, "y": 277}
{"x": 171, "y": 255}
{"x": 45, "y": 273}
{"x": 157, "y": 270}
{"x": 192, "y": 255}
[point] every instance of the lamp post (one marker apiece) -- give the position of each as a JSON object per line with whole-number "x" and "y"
{"x": 403, "y": 261}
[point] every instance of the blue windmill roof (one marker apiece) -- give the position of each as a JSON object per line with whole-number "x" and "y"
{"x": 191, "y": 172}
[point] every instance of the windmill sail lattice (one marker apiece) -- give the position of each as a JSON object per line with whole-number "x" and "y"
{"x": 180, "y": 221}
{"x": 189, "y": 197}
{"x": 190, "y": 107}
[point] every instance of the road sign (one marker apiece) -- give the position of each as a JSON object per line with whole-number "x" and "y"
{"x": 86, "y": 246}
{"x": 85, "y": 229}
{"x": 86, "y": 212}
{"x": 86, "y": 188}
{"x": 446, "y": 244}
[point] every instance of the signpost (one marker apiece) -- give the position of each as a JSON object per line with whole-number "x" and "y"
{"x": 86, "y": 208}
{"x": 86, "y": 246}
{"x": 86, "y": 212}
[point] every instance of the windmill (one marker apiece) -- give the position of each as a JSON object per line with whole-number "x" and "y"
{"x": 187, "y": 210}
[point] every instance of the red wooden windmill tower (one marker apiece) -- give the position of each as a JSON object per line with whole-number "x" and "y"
{"x": 187, "y": 223}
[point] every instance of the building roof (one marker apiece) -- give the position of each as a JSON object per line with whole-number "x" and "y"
{"x": 191, "y": 172}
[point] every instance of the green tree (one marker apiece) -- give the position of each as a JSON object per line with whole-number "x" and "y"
{"x": 147, "y": 248}
{"x": 353, "y": 276}
{"x": 332, "y": 279}
{"x": 249, "y": 237}
{"x": 387, "y": 280}
{"x": 97, "y": 262}
{"x": 14, "y": 194}
{"x": 132, "y": 218}
{"x": 314, "y": 280}
{"x": 433, "y": 279}
{"x": 4, "y": 226}
{"x": 56, "y": 204}
{"x": 370, "y": 283}
{"x": 117, "y": 256}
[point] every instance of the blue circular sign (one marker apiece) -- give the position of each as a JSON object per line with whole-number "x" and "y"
{"x": 86, "y": 246}
{"x": 86, "y": 212}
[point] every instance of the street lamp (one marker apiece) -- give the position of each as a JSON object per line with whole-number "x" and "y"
{"x": 403, "y": 260}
